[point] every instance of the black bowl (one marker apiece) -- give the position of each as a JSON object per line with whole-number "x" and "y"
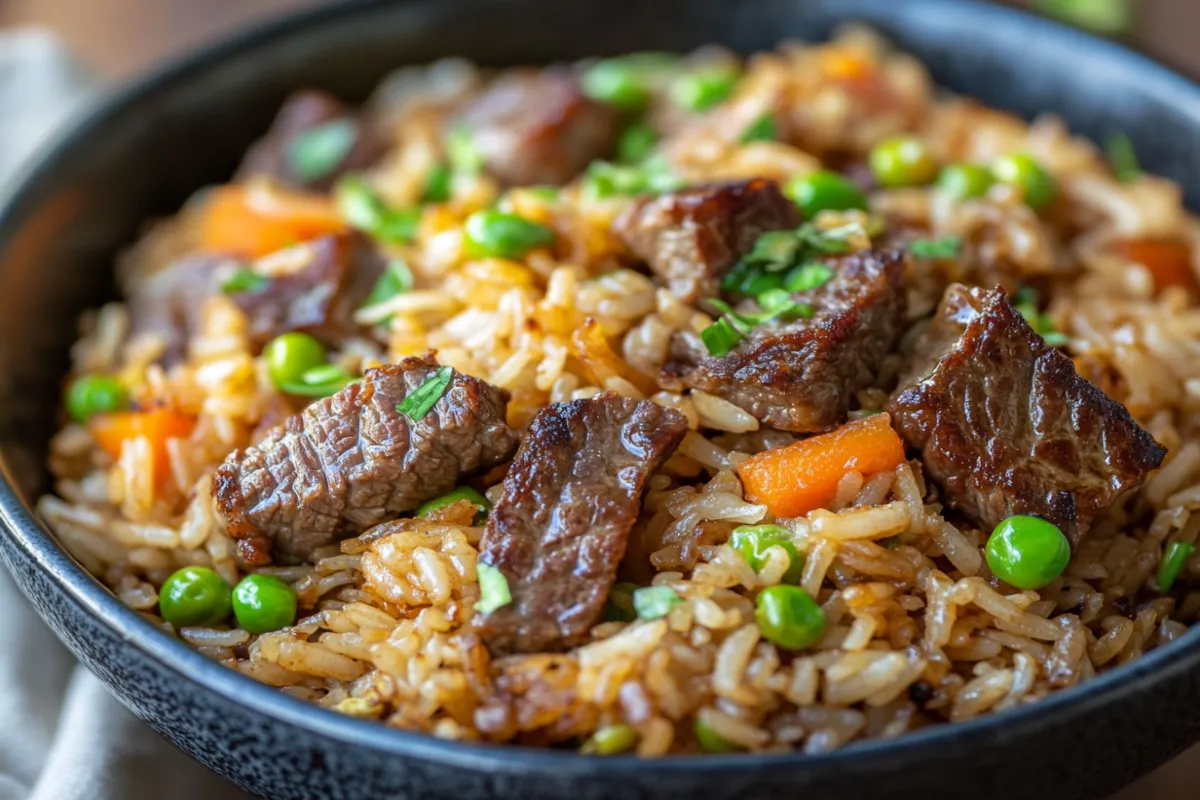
{"x": 144, "y": 151}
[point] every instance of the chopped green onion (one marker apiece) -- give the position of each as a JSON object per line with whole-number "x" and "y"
{"x": 1025, "y": 303}
{"x": 720, "y": 337}
{"x": 619, "y": 607}
{"x": 421, "y": 400}
{"x": 703, "y": 88}
{"x": 807, "y": 277}
{"x": 653, "y": 176}
{"x": 366, "y": 211}
{"x": 610, "y": 740}
{"x": 314, "y": 154}
{"x": 774, "y": 250}
{"x": 438, "y": 184}
{"x": 1110, "y": 17}
{"x": 945, "y": 247}
{"x": 319, "y": 381}
{"x": 396, "y": 279}
{"x": 652, "y": 602}
{"x": 636, "y": 142}
{"x": 244, "y": 281}
{"x": 503, "y": 235}
{"x": 493, "y": 589}
{"x": 712, "y": 742}
{"x": 450, "y": 498}
{"x": 549, "y": 194}
{"x": 763, "y": 129}
{"x": 1172, "y": 564}
{"x": 461, "y": 150}
{"x": 1123, "y": 158}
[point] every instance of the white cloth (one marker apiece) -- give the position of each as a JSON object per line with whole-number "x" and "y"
{"x": 62, "y": 735}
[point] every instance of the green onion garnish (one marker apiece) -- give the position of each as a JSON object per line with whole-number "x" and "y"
{"x": 610, "y": 740}
{"x": 493, "y": 589}
{"x": 774, "y": 251}
{"x": 636, "y": 142}
{"x": 763, "y": 129}
{"x": 420, "y": 400}
{"x": 461, "y": 150}
{"x": 366, "y": 211}
{"x": 945, "y": 247}
{"x": 653, "y": 176}
{"x": 315, "y": 153}
{"x": 1026, "y": 304}
{"x": 244, "y": 281}
{"x": 1172, "y": 564}
{"x": 1123, "y": 158}
{"x": 807, "y": 277}
{"x": 320, "y": 381}
{"x": 396, "y": 279}
{"x": 720, "y": 337}
{"x": 437, "y": 185}
{"x": 653, "y": 602}
{"x": 619, "y": 607}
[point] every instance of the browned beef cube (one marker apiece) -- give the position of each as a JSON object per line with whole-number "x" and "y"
{"x": 691, "y": 238}
{"x": 1006, "y": 426}
{"x": 352, "y": 144}
{"x": 538, "y": 127}
{"x": 801, "y": 375}
{"x": 353, "y": 460}
{"x": 561, "y": 526}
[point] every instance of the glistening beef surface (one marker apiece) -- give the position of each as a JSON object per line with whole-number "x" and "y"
{"x": 800, "y": 375}
{"x": 561, "y": 526}
{"x": 538, "y": 127}
{"x": 691, "y": 238}
{"x": 353, "y": 460}
{"x": 1006, "y": 426}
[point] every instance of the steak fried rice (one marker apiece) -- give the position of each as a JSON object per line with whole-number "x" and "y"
{"x": 653, "y": 404}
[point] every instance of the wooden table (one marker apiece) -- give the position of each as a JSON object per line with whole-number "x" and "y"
{"x": 121, "y": 37}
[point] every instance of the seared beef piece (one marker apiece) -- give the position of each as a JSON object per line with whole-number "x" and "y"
{"x": 692, "y": 237}
{"x": 353, "y": 460}
{"x": 560, "y": 528}
{"x": 1006, "y": 426}
{"x": 300, "y": 113}
{"x": 538, "y": 127}
{"x": 332, "y": 277}
{"x": 800, "y": 375}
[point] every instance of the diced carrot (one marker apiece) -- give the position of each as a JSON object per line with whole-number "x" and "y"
{"x": 257, "y": 219}
{"x": 844, "y": 63}
{"x": 1169, "y": 261}
{"x": 158, "y": 425}
{"x": 793, "y": 480}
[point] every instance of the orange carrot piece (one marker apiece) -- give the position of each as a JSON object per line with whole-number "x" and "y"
{"x": 1169, "y": 261}
{"x": 157, "y": 424}
{"x": 793, "y": 480}
{"x": 256, "y": 220}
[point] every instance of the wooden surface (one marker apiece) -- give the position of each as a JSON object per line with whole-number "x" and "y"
{"x": 119, "y": 38}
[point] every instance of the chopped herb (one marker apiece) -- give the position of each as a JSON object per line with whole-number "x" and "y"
{"x": 1123, "y": 158}
{"x": 366, "y": 211}
{"x": 461, "y": 150}
{"x": 1172, "y": 564}
{"x": 493, "y": 589}
{"x": 703, "y": 88}
{"x": 420, "y": 400}
{"x": 548, "y": 194}
{"x": 1110, "y": 17}
{"x": 720, "y": 337}
{"x": 619, "y": 607}
{"x": 396, "y": 279}
{"x": 610, "y": 740}
{"x": 774, "y": 251}
{"x": 652, "y": 176}
{"x": 653, "y": 602}
{"x": 319, "y": 381}
{"x": 438, "y": 184}
{"x": 1026, "y": 304}
{"x": 945, "y": 247}
{"x": 807, "y": 277}
{"x": 315, "y": 153}
{"x": 636, "y": 142}
{"x": 763, "y": 129}
{"x": 245, "y": 281}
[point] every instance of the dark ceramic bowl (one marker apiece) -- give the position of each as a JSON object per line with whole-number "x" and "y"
{"x": 144, "y": 151}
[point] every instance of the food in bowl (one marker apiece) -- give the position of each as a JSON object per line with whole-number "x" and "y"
{"x": 658, "y": 404}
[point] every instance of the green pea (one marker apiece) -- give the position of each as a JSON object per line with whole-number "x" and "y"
{"x": 450, "y": 498}
{"x": 89, "y": 395}
{"x": 966, "y": 181}
{"x": 194, "y": 596}
{"x": 636, "y": 142}
{"x": 753, "y": 542}
{"x": 1022, "y": 170}
{"x": 291, "y": 355}
{"x": 712, "y": 742}
{"x": 610, "y": 740}
{"x": 704, "y": 88}
{"x": 503, "y": 235}
{"x": 618, "y": 82}
{"x": 263, "y": 604}
{"x": 438, "y": 184}
{"x": 789, "y": 617}
{"x": 902, "y": 161}
{"x": 1027, "y": 552}
{"x": 824, "y": 191}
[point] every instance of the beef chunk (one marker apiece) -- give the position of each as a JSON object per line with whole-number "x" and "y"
{"x": 800, "y": 375}
{"x": 538, "y": 127}
{"x": 316, "y": 291}
{"x": 692, "y": 237}
{"x": 560, "y": 528}
{"x": 303, "y": 112}
{"x": 353, "y": 460}
{"x": 1005, "y": 425}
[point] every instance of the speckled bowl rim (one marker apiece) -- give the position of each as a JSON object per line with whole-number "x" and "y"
{"x": 21, "y": 524}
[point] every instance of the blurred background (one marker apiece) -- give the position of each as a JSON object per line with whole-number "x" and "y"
{"x": 115, "y": 40}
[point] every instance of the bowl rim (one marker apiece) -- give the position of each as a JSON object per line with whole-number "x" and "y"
{"x": 21, "y": 524}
